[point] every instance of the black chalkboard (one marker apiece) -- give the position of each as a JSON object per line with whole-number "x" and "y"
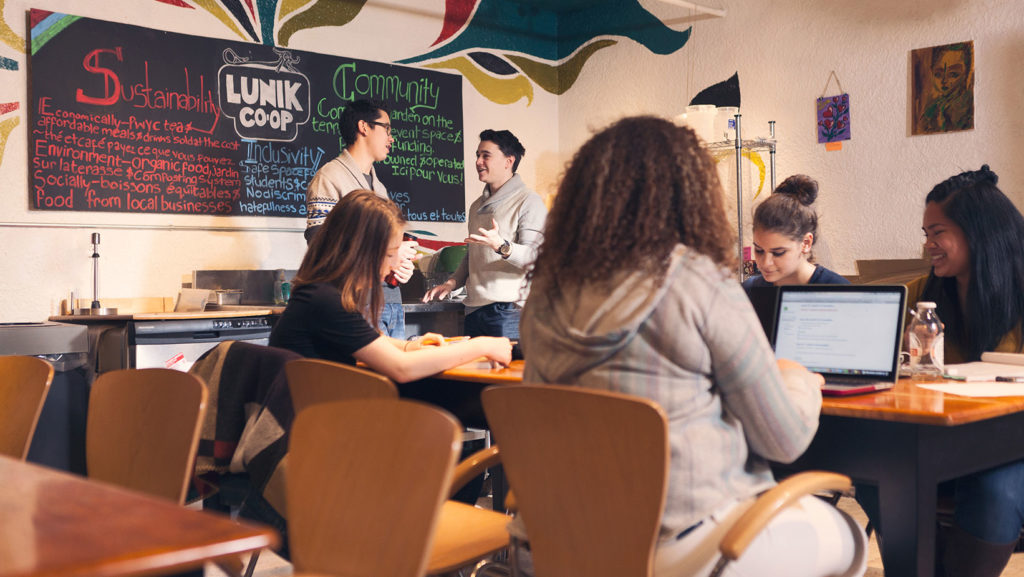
{"x": 132, "y": 119}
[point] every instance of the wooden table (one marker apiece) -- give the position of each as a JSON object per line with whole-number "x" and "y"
{"x": 458, "y": 390}
{"x": 57, "y": 524}
{"x": 479, "y": 372}
{"x": 906, "y": 440}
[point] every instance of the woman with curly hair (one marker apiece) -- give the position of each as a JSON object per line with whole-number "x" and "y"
{"x": 632, "y": 292}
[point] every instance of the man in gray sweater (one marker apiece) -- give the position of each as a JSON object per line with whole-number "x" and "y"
{"x": 506, "y": 225}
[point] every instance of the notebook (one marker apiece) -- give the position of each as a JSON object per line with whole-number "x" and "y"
{"x": 849, "y": 333}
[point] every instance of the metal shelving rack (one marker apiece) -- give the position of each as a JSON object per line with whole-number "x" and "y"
{"x": 757, "y": 144}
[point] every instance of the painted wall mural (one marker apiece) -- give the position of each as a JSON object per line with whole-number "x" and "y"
{"x": 9, "y": 111}
{"x": 504, "y": 49}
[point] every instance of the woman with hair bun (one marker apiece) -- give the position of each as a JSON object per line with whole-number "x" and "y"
{"x": 785, "y": 229}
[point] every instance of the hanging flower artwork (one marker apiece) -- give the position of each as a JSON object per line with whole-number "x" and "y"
{"x": 834, "y": 118}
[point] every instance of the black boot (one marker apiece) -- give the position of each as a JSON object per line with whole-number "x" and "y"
{"x": 961, "y": 554}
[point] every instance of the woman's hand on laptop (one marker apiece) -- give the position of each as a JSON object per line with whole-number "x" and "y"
{"x": 804, "y": 388}
{"x": 811, "y": 378}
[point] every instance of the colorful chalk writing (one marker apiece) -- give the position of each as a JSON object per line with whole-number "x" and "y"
{"x": 131, "y": 119}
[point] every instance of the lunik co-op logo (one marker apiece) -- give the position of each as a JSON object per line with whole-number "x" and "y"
{"x": 268, "y": 100}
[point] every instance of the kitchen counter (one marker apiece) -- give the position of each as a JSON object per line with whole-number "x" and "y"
{"x": 433, "y": 307}
{"x": 222, "y": 312}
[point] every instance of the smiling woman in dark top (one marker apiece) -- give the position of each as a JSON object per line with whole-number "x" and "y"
{"x": 785, "y": 229}
{"x": 337, "y": 299}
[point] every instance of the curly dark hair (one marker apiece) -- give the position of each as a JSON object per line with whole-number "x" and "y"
{"x": 632, "y": 193}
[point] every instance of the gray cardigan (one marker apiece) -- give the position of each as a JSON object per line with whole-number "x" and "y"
{"x": 694, "y": 346}
{"x": 520, "y": 214}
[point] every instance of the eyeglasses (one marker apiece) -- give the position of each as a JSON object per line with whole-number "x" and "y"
{"x": 384, "y": 125}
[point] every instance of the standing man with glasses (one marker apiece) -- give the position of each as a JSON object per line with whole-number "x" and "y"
{"x": 366, "y": 129}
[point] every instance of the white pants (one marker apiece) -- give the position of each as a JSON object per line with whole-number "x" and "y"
{"x": 809, "y": 539}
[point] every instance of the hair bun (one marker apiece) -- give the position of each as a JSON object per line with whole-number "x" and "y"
{"x": 801, "y": 187}
{"x": 986, "y": 174}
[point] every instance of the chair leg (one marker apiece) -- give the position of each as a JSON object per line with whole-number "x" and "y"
{"x": 719, "y": 567}
{"x": 251, "y": 567}
{"x": 487, "y": 567}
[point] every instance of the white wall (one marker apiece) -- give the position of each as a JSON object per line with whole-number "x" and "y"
{"x": 871, "y": 192}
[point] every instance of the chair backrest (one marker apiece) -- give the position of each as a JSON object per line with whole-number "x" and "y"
{"x": 143, "y": 429}
{"x": 366, "y": 481}
{"x": 315, "y": 381}
{"x": 590, "y": 472}
{"x": 24, "y": 382}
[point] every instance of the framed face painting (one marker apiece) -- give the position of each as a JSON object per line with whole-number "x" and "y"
{"x": 942, "y": 92}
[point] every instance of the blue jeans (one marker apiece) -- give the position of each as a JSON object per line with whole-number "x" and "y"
{"x": 989, "y": 505}
{"x": 392, "y": 321}
{"x": 494, "y": 320}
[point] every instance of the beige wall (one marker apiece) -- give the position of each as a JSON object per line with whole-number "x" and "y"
{"x": 872, "y": 190}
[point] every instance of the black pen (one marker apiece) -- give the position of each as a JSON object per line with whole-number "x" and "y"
{"x": 1010, "y": 379}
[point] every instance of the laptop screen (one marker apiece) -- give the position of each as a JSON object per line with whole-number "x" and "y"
{"x": 852, "y": 330}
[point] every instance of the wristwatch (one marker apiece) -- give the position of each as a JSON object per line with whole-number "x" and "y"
{"x": 505, "y": 249}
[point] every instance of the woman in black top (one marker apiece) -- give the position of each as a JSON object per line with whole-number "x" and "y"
{"x": 336, "y": 299}
{"x": 785, "y": 229}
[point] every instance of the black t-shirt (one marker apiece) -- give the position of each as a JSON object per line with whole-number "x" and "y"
{"x": 315, "y": 325}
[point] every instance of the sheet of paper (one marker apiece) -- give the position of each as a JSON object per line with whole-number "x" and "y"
{"x": 977, "y": 389}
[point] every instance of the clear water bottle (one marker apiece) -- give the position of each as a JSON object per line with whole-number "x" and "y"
{"x": 926, "y": 343}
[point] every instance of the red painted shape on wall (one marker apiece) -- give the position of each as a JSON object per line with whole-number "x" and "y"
{"x": 456, "y": 14}
{"x": 6, "y": 107}
{"x": 179, "y": 3}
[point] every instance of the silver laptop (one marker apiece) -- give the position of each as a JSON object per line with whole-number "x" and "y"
{"x": 849, "y": 333}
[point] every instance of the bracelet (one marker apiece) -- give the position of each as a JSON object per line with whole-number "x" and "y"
{"x": 405, "y": 347}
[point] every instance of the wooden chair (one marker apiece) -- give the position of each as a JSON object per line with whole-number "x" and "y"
{"x": 24, "y": 382}
{"x": 465, "y": 534}
{"x": 590, "y": 471}
{"x": 347, "y": 462}
{"x": 143, "y": 430}
{"x": 315, "y": 381}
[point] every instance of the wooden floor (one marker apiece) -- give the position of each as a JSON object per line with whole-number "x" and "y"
{"x": 270, "y": 565}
